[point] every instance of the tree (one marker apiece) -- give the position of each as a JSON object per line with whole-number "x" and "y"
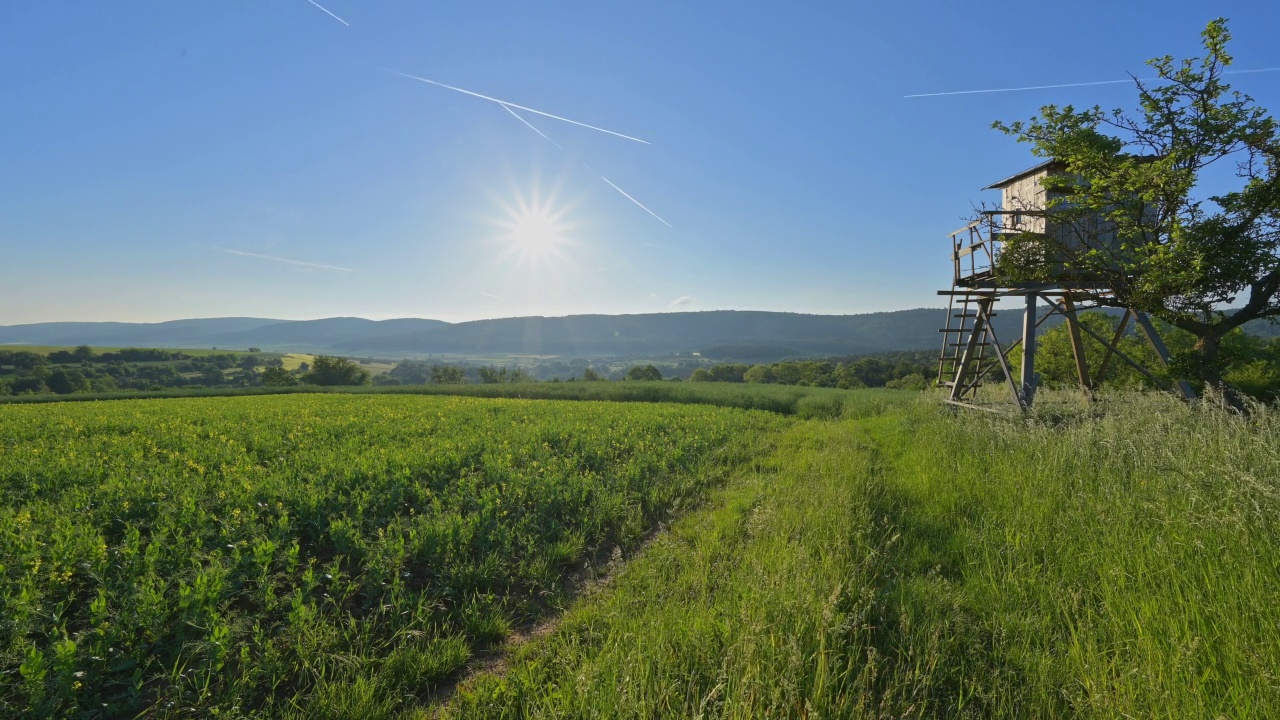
{"x": 448, "y": 375}
{"x": 26, "y": 360}
{"x": 278, "y": 377}
{"x": 1179, "y": 256}
{"x": 643, "y": 372}
{"x": 82, "y": 353}
{"x": 760, "y": 374}
{"x": 28, "y": 384}
{"x": 326, "y": 370}
{"x": 589, "y": 375}
{"x": 249, "y": 363}
{"x": 64, "y": 382}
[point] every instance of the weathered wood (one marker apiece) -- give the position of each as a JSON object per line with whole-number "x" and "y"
{"x": 1162, "y": 352}
{"x": 1004, "y": 365}
{"x": 971, "y": 406}
{"x": 1077, "y": 345}
{"x": 967, "y": 357}
{"x": 1111, "y": 349}
{"x": 1029, "y": 326}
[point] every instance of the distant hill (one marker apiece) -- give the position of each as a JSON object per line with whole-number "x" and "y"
{"x": 726, "y": 334}
{"x": 719, "y": 334}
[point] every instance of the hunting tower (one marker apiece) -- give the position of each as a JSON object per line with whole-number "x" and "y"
{"x": 970, "y": 349}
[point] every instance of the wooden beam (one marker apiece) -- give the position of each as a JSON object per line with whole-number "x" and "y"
{"x": 967, "y": 357}
{"x": 1004, "y": 362}
{"x": 1077, "y": 345}
{"x": 1115, "y": 343}
{"x": 1029, "y": 326}
{"x": 1162, "y": 352}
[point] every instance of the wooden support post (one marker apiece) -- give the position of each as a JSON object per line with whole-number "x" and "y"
{"x": 957, "y": 386}
{"x": 1153, "y": 337}
{"x": 1018, "y": 397}
{"x": 1029, "y": 326}
{"x": 1077, "y": 345}
{"x": 1111, "y": 349}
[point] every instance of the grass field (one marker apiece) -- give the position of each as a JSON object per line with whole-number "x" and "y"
{"x": 852, "y": 554}
{"x": 282, "y": 553}
{"x": 918, "y": 564}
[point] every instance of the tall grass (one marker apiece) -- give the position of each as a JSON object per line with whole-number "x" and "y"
{"x": 1123, "y": 561}
{"x": 783, "y": 399}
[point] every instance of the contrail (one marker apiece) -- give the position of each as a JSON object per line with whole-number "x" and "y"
{"x": 588, "y": 167}
{"x": 625, "y": 195}
{"x": 326, "y": 10}
{"x": 287, "y": 261}
{"x": 518, "y": 107}
{"x": 529, "y": 125}
{"x": 1069, "y": 85}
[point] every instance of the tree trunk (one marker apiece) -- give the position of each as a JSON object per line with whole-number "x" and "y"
{"x": 1208, "y": 367}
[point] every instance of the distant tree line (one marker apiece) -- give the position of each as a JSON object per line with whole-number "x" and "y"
{"x": 83, "y": 371}
{"x": 897, "y": 370}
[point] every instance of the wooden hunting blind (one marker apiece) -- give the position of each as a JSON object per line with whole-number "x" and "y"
{"x": 1030, "y": 211}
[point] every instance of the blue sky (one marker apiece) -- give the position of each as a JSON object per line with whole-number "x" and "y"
{"x": 165, "y": 159}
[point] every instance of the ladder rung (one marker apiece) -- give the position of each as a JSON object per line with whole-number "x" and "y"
{"x": 977, "y": 345}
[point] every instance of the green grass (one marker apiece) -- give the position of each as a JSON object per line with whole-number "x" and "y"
{"x": 340, "y": 554}
{"x": 783, "y": 399}
{"x": 876, "y": 555}
{"x": 924, "y": 564}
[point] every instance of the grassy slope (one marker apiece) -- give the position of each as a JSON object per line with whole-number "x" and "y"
{"x": 920, "y": 565}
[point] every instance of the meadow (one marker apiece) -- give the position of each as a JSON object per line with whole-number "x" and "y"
{"x": 1107, "y": 561}
{"x": 273, "y": 554}
{"x": 850, "y": 554}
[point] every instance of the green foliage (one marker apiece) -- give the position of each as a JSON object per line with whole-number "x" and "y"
{"x": 326, "y": 370}
{"x": 922, "y": 564}
{"x": 63, "y": 381}
{"x": 278, "y": 377}
{"x": 448, "y": 375}
{"x": 874, "y": 371}
{"x": 324, "y": 554}
{"x": 491, "y": 375}
{"x": 1178, "y": 256}
{"x": 645, "y": 372}
{"x": 590, "y": 375}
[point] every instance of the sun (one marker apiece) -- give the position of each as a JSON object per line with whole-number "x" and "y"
{"x": 535, "y": 231}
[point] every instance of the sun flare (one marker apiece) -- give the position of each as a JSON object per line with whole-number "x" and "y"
{"x": 535, "y": 231}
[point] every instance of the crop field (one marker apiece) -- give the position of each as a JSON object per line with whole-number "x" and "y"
{"x": 851, "y": 554}
{"x": 301, "y": 553}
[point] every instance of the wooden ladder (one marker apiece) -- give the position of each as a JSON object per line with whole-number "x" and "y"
{"x": 967, "y": 333}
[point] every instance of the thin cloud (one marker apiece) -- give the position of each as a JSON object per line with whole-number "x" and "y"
{"x": 1070, "y": 85}
{"x": 682, "y": 301}
{"x": 491, "y": 295}
{"x": 529, "y": 125}
{"x": 326, "y": 10}
{"x": 588, "y": 167}
{"x": 518, "y": 107}
{"x": 637, "y": 202}
{"x": 286, "y": 261}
